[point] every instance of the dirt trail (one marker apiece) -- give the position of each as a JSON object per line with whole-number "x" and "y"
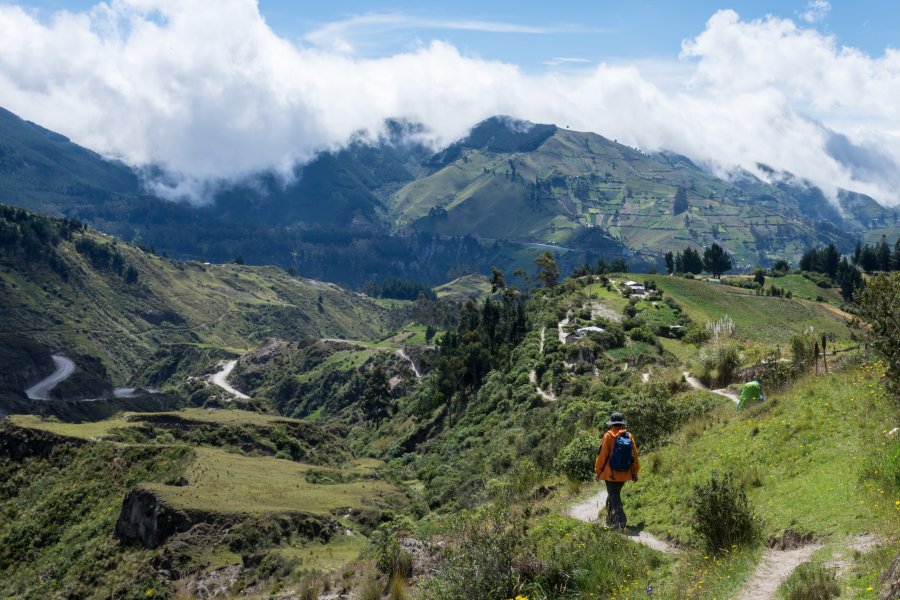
{"x": 697, "y": 385}
{"x": 588, "y": 510}
{"x": 402, "y": 354}
{"x": 221, "y": 379}
{"x": 532, "y": 376}
{"x": 773, "y": 568}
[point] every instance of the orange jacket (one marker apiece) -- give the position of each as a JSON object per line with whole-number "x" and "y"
{"x": 601, "y": 465}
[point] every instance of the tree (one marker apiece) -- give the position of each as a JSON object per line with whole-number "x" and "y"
{"x": 879, "y": 306}
{"x": 238, "y": 260}
{"x": 895, "y": 258}
{"x": 869, "y": 259}
{"x": 376, "y": 398}
{"x": 831, "y": 258}
{"x": 849, "y": 278}
{"x": 498, "y": 281}
{"x": 548, "y": 271}
{"x": 884, "y": 254}
{"x": 670, "y": 262}
{"x": 691, "y": 261}
{"x": 716, "y": 260}
{"x": 781, "y": 266}
{"x": 680, "y": 204}
{"x": 759, "y": 276}
{"x": 618, "y": 265}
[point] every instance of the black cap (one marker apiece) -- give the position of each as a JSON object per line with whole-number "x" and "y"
{"x": 616, "y": 419}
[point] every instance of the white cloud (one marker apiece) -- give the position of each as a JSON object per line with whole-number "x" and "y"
{"x": 816, "y": 10}
{"x": 207, "y": 91}
{"x": 565, "y": 60}
{"x": 344, "y": 36}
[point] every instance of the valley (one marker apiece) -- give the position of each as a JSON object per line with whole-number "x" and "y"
{"x": 286, "y": 436}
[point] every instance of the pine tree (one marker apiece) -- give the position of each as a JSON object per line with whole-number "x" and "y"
{"x": 716, "y": 260}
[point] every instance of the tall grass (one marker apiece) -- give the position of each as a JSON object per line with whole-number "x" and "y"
{"x": 810, "y": 581}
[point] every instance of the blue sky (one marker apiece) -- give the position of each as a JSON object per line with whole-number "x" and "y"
{"x": 597, "y": 30}
{"x": 214, "y": 90}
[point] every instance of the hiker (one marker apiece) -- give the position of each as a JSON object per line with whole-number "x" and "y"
{"x": 617, "y": 462}
{"x": 751, "y": 392}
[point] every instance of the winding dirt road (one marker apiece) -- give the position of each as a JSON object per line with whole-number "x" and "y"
{"x": 41, "y": 390}
{"x": 221, "y": 379}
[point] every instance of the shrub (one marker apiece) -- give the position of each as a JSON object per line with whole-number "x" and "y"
{"x": 642, "y": 334}
{"x": 722, "y": 515}
{"x": 803, "y": 347}
{"x": 390, "y": 558}
{"x": 370, "y": 589}
{"x": 695, "y": 335}
{"x": 576, "y": 460}
{"x": 490, "y": 547}
{"x": 719, "y": 363}
{"x": 653, "y": 412}
{"x": 398, "y": 589}
{"x": 810, "y": 581}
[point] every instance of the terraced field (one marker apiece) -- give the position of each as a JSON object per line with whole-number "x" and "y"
{"x": 760, "y": 318}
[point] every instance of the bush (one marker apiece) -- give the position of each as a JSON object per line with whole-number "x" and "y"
{"x": 576, "y": 460}
{"x": 719, "y": 363}
{"x": 722, "y": 515}
{"x": 810, "y": 581}
{"x": 390, "y": 558}
{"x": 643, "y": 334}
{"x": 484, "y": 561}
{"x": 653, "y": 412}
{"x": 695, "y": 335}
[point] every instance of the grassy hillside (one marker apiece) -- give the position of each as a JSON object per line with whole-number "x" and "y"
{"x": 762, "y": 318}
{"x": 557, "y": 184}
{"x": 479, "y": 448}
{"x": 70, "y": 293}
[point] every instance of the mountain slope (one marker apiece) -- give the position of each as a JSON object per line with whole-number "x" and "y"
{"x": 47, "y": 172}
{"x": 551, "y": 184}
{"x": 391, "y": 208}
{"x": 75, "y": 290}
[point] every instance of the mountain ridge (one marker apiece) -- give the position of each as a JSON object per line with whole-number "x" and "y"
{"x": 372, "y": 210}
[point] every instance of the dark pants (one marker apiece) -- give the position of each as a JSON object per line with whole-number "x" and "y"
{"x": 615, "y": 512}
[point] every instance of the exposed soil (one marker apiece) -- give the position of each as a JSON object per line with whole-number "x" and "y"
{"x": 773, "y": 568}
{"x": 588, "y": 510}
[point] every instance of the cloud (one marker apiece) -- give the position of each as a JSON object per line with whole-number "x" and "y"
{"x": 565, "y": 60}
{"x": 816, "y": 10}
{"x": 207, "y": 92}
{"x": 345, "y": 35}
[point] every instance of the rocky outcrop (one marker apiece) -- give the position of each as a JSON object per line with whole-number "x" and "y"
{"x": 19, "y": 443}
{"x": 146, "y": 520}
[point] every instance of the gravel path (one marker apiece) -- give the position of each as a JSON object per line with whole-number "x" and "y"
{"x": 41, "y": 390}
{"x": 221, "y": 379}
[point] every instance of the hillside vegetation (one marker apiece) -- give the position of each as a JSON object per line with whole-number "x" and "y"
{"x": 437, "y": 450}
{"x": 77, "y": 291}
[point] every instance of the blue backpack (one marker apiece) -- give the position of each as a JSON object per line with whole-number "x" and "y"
{"x": 622, "y": 456}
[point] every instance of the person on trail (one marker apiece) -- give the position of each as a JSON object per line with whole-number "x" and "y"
{"x": 751, "y": 392}
{"x": 617, "y": 462}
